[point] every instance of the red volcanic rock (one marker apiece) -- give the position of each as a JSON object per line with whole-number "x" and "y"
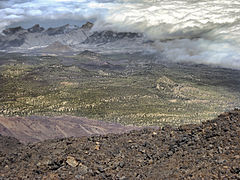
{"x": 39, "y": 128}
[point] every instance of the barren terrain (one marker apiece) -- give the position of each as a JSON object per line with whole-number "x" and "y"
{"x": 206, "y": 151}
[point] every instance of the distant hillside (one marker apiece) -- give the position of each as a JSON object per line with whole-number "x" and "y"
{"x": 59, "y": 39}
{"x": 57, "y": 47}
{"x": 39, "y": 128}
{"x": 207, "y": 151}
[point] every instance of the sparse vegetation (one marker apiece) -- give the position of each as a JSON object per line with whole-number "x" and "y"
{"x": 129, "y": 89}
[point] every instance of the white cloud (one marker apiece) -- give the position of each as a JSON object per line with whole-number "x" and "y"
{"x": 215, "y": 24}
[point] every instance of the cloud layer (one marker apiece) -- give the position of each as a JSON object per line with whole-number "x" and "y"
{"x": 183, "y": 30}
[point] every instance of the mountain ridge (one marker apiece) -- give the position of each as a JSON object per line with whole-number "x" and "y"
{"x": 36, "y": 38}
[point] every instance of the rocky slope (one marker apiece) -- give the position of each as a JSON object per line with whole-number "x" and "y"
{"x": 8, "y": 144}
{"x": 39, "y": 128}
{"x": 207, "y": 151}
{"x": 37, "y": 37}
{"x": 69, "y": 39}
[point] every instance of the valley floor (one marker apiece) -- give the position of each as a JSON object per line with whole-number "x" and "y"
{"x": 131, "y": 89}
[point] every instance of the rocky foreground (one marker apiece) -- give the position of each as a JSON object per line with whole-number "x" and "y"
{"x": 210, "y": 150}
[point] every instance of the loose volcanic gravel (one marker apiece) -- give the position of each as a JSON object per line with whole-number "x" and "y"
{"x": 210, "y": 150}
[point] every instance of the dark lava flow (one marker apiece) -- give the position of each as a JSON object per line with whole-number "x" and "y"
{"x": 210, "y": 150}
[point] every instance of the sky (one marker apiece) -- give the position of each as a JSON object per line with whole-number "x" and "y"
{"x": 183, "y": 30}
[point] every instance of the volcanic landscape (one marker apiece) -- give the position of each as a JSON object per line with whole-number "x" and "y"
{"x": 77, "y": 103}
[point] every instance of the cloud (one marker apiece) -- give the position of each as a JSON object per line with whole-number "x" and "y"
{"x": 16, "y": 11}
{"x": 158, "y": 19}
{"x": 184, "y": 30}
